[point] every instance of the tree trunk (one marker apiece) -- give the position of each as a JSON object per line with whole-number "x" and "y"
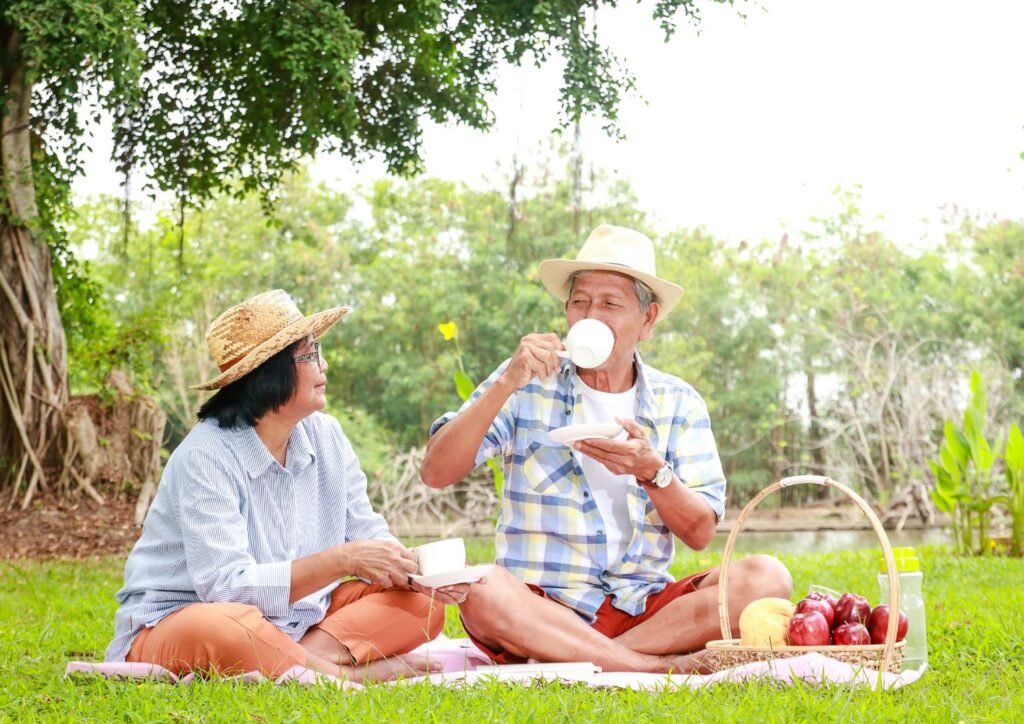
{"x": 33, "y": 366}
{"x": 814, "y": 429}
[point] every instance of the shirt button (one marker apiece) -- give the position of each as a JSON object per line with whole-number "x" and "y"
{"x": 586, "y": 494}
{"x": 600, "y": 532}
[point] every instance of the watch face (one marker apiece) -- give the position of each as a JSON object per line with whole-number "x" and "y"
{"x": 663, "y": 477}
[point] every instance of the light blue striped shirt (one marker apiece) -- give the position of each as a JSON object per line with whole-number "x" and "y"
{"x": 228, "y": 520}
{"x": 550, "y": 532}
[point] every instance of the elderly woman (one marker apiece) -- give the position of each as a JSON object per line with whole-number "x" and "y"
{"x": 261, "y": 511}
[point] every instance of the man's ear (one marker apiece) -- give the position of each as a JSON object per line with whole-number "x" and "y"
{"x": 650, "y": 317}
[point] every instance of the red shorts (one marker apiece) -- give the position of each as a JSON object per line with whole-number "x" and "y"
{"x": 610, "y": 621}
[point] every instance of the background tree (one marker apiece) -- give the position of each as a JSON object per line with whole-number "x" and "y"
{"x": 839, "y": 353}
{"x": 210, "y": 96}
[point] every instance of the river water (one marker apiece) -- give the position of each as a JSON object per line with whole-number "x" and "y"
{"x": 828, "y": 541}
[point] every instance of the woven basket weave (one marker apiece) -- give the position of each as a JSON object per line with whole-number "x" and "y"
{"x": 728, "y": 652}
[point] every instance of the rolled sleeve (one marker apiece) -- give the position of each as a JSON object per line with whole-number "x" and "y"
{"x": 498, "y": 438}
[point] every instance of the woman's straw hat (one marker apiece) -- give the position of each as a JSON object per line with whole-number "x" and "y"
{"x": 615, "y": 249}
{"x": 250, "y": 333}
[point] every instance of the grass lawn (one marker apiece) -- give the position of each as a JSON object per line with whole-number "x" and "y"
{"x": 55, "y": 611}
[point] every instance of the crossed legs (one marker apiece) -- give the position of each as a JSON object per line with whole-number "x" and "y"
{"x": 362, "y": 637}
{"x": 505, "y": 615}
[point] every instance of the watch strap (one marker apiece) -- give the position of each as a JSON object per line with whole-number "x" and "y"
{"x": 653, "y": 482}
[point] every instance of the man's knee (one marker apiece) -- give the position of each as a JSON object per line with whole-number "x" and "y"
{"x": 487, "y": 604}
{"x": 766, "y": 576}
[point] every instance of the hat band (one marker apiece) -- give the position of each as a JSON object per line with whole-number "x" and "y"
{"x": 225, "y": 366}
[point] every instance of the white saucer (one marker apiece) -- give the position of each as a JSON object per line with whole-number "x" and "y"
{"x": 572, "y": 433}
{"x": 471, "y": 574}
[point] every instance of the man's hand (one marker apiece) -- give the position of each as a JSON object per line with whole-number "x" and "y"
{"x": 537, "y": 356}
{"x": 379, "y": 560}
{"x": 633, "y": 456}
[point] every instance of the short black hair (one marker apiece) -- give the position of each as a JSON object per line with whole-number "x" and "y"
{"x": 265, "y": 389}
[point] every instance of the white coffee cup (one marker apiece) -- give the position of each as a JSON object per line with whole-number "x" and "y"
{"x": 441, "y": 556}
{"x": 589, "y": 343}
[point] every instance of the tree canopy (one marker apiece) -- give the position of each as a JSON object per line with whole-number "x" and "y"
{"x": 209, "y": 96}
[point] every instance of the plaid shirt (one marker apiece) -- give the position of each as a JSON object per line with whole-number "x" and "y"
{"x": 550, "y": 532}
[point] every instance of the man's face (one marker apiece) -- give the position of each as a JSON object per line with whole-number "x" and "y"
{"x": 611, "y": 298}
{"x": 310, "y": 382}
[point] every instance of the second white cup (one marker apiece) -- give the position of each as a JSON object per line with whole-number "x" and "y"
{"x": 441, "y": 556}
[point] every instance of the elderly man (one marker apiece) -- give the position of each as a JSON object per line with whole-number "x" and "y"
{"x": 585, "y": 535}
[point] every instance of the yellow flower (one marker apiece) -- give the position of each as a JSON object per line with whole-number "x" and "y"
{"x": 449, "y": 330}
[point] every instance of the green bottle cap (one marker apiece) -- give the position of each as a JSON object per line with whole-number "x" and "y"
{"x": 906, "y": 561}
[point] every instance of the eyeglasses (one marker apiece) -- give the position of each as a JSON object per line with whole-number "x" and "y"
{"x": 313, "y": 356}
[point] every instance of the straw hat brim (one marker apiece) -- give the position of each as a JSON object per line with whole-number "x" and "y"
{"x": 555, "y": 273}
{"x": 315, "y": 324}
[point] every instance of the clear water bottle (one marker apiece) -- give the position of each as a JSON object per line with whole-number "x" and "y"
{"x": 908, "y": 571}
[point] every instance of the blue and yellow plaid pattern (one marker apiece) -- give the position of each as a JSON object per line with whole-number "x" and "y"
{"x": 550, "y": 532}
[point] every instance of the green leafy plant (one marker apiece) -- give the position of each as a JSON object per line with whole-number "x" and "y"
{"x": 964, "y": 485}
{"x": 1014, "y": 502}
{"x": 464, "y": 386}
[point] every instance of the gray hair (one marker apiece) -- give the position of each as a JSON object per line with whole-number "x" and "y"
{"x": 644, "y": 295}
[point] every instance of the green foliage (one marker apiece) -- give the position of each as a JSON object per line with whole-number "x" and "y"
{"x": 1014, "y": 501}
{"x": 464, "y": 387}
{"x": 206, "y": 92}
{"x": 964, "y": 484}
{"x": 373, "y": 443}
{"x": 54, "y": 612}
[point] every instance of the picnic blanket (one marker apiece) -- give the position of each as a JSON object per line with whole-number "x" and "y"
{"x": 464, "y": 665}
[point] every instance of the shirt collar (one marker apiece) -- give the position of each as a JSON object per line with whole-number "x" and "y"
{"x": 647, "y": 410}
{"x": 257, "y": 458}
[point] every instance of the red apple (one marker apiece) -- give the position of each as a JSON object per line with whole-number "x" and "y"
{"x": 822, "y": 596}
{"x": 820, "y": 605}
{"x": 851, "y": 608}
{"x": 878, "y": 624}
{"x": 851, "y": 634}
{"x": 808, "y": 629}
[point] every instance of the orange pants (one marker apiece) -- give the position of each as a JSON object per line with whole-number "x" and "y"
{"x": 231, "y": 638}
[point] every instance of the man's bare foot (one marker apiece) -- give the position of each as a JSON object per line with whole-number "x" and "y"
{"x": 687, "y": 663}
{"x": 405, "y": 666}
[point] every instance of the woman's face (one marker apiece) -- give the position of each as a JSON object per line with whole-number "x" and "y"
{"x": 310, "y": 381}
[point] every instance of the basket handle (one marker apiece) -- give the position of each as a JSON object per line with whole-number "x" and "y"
{"x": 890, "y": 560}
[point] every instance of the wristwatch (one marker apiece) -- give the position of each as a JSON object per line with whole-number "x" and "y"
{"x": 661, "y": 479}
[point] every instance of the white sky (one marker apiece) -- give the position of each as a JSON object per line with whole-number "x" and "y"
{"x": 746, "y": 128}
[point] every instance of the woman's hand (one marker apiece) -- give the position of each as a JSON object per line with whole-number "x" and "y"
{"x": 379, "y": 560}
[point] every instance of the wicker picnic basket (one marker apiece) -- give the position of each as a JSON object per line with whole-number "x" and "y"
{"x": 728, "y": 652}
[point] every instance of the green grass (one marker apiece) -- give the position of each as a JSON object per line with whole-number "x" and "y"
{"x": 55, "y": 611}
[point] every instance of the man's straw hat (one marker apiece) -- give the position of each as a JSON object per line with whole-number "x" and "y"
{"x": 250, "y": 333}
{"x": 615, "y": 249}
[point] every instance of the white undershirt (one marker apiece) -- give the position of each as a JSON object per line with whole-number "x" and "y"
{"x": 609, "y": 490}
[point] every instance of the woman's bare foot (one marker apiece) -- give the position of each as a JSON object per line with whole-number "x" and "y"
{"x": 405, "y": 666}
{"x": 322, "y": 644}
